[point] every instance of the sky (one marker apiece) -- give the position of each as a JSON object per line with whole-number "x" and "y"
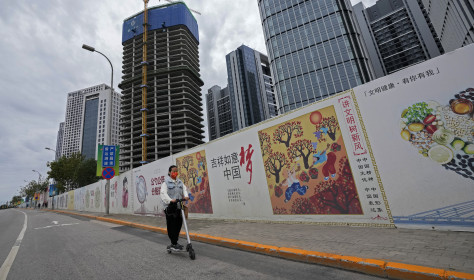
{"x": 41, "y": 60}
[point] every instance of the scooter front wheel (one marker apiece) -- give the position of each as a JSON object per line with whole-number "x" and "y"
{"x": 192, "y": 255}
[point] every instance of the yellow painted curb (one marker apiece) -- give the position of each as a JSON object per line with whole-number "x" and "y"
{"x": 408, "y": 271}
{"x": 267, "y": 249}
{"x": 367, "y": 266}
{"x": 379, "y": 268}
{"x": 454, "y": 275}
{"x": 294, "y": 254}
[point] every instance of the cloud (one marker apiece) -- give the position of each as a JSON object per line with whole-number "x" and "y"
{"x": 42, "y": 61}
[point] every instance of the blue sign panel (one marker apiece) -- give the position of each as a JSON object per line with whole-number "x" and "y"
{"x": 52, "y": 190}
{"x": 108, "y": 156}
{"x": 160, "y": 17}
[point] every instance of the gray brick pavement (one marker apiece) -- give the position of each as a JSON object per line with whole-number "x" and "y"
{"x": 450, "y": 250}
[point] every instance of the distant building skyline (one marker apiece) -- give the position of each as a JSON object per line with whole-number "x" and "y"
{"x": 219, "y": 115}
{"x": 86, "y": 121}
{"x": 59, "y": 141}
{"x": 249, "y": 97}
{"x": 250, "y": 85}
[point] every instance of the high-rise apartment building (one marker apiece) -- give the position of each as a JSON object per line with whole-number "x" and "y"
{"x": 453, "y": 21}
{"x": 87, "y": 121}
{"x": 219, "y": 115}
{"x": 59, "y": 141}
{"x": 169, "y": 70}
{"x": 396, "y": 34}
{"x": 250, "y": 84}
{"x": 314, "y": 49}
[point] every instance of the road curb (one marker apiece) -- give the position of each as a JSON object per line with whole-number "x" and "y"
{"x": 381, "y": 268}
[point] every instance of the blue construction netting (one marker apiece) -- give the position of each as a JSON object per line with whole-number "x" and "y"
{"x": 159, "y": 17}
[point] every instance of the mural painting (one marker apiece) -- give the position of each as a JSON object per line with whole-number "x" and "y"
{"x": 192, "y": 170}
{"x": 307, "y": 167}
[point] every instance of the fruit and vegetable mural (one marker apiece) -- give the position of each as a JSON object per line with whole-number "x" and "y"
{"x": 443, "y": 132}
{"x": 307, "y": 167}
{"x": 192, "y": 170}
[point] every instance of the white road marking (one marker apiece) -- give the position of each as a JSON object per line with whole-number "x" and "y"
{"x": 55, "y": 222}
{"x": 61, "y": 225}
{"x": 7, "y": 264}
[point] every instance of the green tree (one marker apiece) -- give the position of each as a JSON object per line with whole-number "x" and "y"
{"x": 86, "y": 172}
{"x": 17, "y": 199}
{"x": 73, "y": 172}
{"x": 33, "y": 187}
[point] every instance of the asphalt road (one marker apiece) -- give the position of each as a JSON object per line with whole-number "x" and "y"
{"x": 70, "y": 247}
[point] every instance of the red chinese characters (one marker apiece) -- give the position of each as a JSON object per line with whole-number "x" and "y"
{"x": 246, "y": 156}
{"x": 157, "y": 182}
{"x": 350, "y": 118}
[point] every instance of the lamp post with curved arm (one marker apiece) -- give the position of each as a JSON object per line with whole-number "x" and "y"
{"x": 109, "y": 116}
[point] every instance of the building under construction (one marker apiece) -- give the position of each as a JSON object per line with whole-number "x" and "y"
{"x": 161, "y": 109}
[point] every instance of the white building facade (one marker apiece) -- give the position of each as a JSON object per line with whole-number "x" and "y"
{"x": 87, "y": 119}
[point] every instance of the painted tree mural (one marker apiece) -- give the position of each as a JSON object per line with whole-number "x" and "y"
{"x": 284, "y": 132}
{"x": 274, "y": 164}
{"x": 331, "y": 124}
{"x": 265, "y": 143}
{"x": 312, "y": 146}
{"x": 339, "y": 196}
{"x": 193, "y": 174}
{"x": 301, "y": 148}
{"x": 187, "y": 162}
{"x": 183, "y": 177}
{"x": 203, "y": 160}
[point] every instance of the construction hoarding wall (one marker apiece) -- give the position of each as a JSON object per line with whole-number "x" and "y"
{"x": 121, "y": 201}
{"x": 397, "y": 151}
{"x": 146, "y": 185}
{"x": 421, "y": 134}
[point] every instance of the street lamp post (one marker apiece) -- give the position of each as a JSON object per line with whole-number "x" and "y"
{"x": 39, "y": 179}
{"x": 52, "y": 198}
{"x": 109, "y": 115}
{"x": 39, "y": 175}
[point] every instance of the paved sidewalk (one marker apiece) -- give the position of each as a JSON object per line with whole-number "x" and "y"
{"x": 447, "y": 250}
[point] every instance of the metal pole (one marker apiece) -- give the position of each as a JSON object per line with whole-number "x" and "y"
{"x": 109, "y": 131}
{"x": 109, "y": 128}
{"x": 52, "y": 197}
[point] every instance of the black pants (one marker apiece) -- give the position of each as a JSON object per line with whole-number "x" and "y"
{"x": 174, "y": 222}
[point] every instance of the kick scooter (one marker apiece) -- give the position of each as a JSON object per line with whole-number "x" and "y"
{"x": 189, "y": 246}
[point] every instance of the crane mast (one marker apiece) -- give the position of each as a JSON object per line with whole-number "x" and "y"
{"x": 144, "y": 84}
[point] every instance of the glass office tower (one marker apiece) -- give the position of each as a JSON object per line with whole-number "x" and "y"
{"x": 397, "y": 34}
{"x": 453, "y": 21}
{"x": 219, "y": 115}
{"x": 314, "y": 49}
{"x": 250, "y": 86}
